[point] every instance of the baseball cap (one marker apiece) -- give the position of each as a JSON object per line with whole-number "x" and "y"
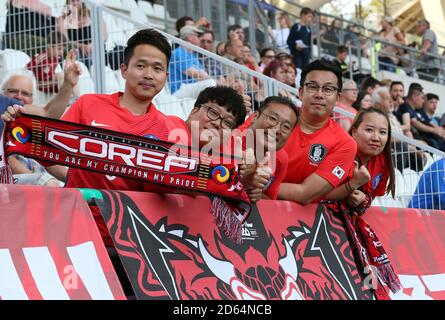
{"x": 186, "y": 30}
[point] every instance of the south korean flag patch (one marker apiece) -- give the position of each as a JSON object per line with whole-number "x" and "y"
{"x": 338, "y": 172}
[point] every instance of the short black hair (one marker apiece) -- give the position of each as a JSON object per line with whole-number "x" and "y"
{"x": 414, "y": 91}
{"x": 396, "y": 83}
{"x": 430, "y": 96}
{"x": 264, "y": 51}
{"x": 150, "y": 37}
{"x": 341, "y": 49}
{"x": 233, "y": 27}
{"x": 181, "y": 22}
{"x": 415, "y": 85}
{"x": 225, "y": 97}
{"x": 369, "y": 82}
{"x": 208, "y": 32}
{"x": 280, "y": 100}
{"x": 322, "y": 65}
{"x": 305, "y": 11}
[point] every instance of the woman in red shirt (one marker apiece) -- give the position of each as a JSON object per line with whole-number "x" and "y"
{"x": 374, "y": 171}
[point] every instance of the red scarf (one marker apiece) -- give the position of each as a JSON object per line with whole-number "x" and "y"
{"x": 99, "y": 150}
{"x": 369, "y": 249}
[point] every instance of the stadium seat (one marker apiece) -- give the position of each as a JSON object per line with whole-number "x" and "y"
{"x": 411, "y": 179}
{"x": 12, "y": 61}
{"x": 115, "y": 4}
{"x": 159, "y": 11}
{"x": 85, "y": 84}
{"x": 139, "y": 16}
{"x": 169, "y": 104}
{"x": 130, "y": 5}
{"x": 146, "y": 7}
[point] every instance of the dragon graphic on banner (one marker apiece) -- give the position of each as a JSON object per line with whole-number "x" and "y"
{"x": 172, "y": 249}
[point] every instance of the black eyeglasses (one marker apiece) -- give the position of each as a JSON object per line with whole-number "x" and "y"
{"x": 273, "y": 119}
{"x": 213, "y": 115}
{"x": 326, "y": 90}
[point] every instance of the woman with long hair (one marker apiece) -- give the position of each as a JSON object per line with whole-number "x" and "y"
{"x": 363, "y": 101}
{"x": 373, "y": 176}
{"x": 374, "y": 173}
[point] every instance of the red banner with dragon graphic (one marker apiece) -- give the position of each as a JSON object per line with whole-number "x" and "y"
{"x": 172, "y": 249}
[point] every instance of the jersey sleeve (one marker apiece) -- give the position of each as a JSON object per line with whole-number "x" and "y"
{"x": 279, "y": 174}
{"x": 339, "y": 164}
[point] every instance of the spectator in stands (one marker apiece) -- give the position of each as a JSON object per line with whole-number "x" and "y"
{"x": 374, "y": 172}
{"x": 363, "y": 101}
{"x": 249, "y": 59}
{"x": 267, "y": 55}
{"x": 321, "y": 153}
{"x": 221, "y": 48}
{"x": 76, "y": 24}
{"x": 234, "y": 51}
{"x": 18, "y": 91}
{"x": 348, "y": 96}
{"x": 331, "y": 39}
{"x": 397, "y": 91}
{"x": 352, "y": 38}
{"x": 275, "y": 118}
{"x": 278, "y": 71}
{"x": 404, "y": 155}
{"x": 429, "y": 109}
{"x": 420, "y": 127}
{"x": 291, "y": 75}
{"x": 389, "y": 54}
{"x": 430, "y": 64}
{"x": 182, "y": 22}
{"x": 285, "y": 57}
{"x": 260, "y": 35}
{"x": 216, "y": 109}
{"x": 369, "y": 84}
{"x": 430, "y": 190}
{"x": 207, "y": 42}
{"x": 341, "y": 54}
{"x": 27, "y": 25}
{"x": 281, "y": 34}
{"x": 235, "y": 32}
{"x": 45, "y": 65}
{"x": 300, "y": 38}
{"x": 187, "y": 75}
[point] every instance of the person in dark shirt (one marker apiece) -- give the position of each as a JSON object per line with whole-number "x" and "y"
{"x": 299, "y": 40}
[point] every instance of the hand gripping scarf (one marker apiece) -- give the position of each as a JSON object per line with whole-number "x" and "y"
{"x": 182, "y": 169}
{"x": 368, "y": 248}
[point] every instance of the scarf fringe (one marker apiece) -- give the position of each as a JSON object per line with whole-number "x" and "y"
{"x": 389, "y": 277}
{"x": 6, "y": 176}
{"x": 226, "y": 220}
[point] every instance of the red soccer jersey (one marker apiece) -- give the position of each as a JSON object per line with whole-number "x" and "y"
{"x": 378, "y": 171}
{"x": 44, "y": 71}
{"x": 104, "y": 111}
{"x": 180, "y": 132}
{"x": 328, "y": 152}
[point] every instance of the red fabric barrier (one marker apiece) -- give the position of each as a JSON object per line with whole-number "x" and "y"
{"x": 50, "y": 247}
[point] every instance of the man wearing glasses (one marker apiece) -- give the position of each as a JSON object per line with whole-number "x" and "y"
{"x": 216, "y": 109}
{"x": 321, "y": 153}
{"x": 270, "y": 127}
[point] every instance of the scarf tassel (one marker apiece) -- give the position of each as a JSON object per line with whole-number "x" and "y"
{"x": 389, "y": 277}
{"x": 225, "y": 219}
